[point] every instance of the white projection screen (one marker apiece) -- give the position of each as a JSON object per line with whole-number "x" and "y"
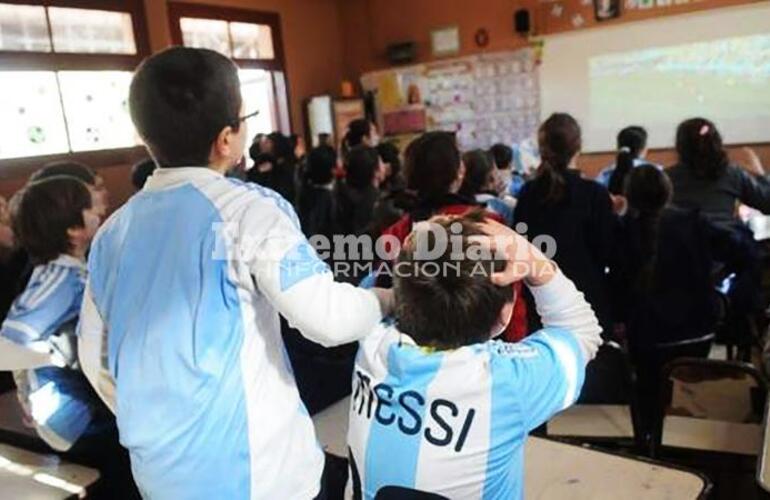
{"x": 657, "y": 73}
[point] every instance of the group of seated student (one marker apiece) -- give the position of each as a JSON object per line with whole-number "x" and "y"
{"x": 454, "y": 368}
{"x": 48, "y": 229}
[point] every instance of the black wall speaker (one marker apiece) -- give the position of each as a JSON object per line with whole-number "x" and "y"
{"x": 521, "y": 22}
{"x": 401, "y": 53}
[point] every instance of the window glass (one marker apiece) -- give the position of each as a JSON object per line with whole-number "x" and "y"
{"x": 33, "y": 123}
{"x": 91, "y": 31}
{"x": 96, "y": 106}
{"x": 23, "y": 27}
{"x": 205, "y": 34}
{"x": 252, "y": 41}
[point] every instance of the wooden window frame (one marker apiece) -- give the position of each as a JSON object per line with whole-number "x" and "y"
{"x": 61, "y": 61}
{"x": 178, "y": 10}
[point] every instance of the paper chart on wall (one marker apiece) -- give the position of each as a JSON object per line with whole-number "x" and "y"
{"x": 484, "y": 99}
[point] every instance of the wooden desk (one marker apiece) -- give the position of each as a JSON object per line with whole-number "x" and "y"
{"x": 25, "y": 475}
{"x": 554, "y": 470}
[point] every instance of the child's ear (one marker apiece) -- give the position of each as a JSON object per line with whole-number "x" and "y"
{"x": 503, "y": 319}
{"x": 77, "y": 235}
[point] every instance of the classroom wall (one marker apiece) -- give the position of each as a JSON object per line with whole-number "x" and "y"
{"x": 371, "y": 25}
{"x": 312, "y": 38}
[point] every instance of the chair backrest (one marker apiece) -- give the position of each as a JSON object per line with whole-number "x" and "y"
{"x": 399, "y": 493}
{"x": 608, "y": 378}
{"x": 728, "y": 393}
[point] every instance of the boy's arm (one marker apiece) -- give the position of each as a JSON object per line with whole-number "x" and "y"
{"x": 92, "y": 350}
{"x": 27, "y": 337}
{"x": 561, "y": 305}
{"x": 549, "y": 366}
{"x": 301, "y": 287}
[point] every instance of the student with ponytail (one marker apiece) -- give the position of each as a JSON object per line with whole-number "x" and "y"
{"x": 632, "y": 149}
{"x": 704, "y": 178}
{"x": 575, "y": 212}
{"x": 661, "y": 274}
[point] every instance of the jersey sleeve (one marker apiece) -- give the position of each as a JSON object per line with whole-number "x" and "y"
{"x": 549, "y": 366}
{"x": 48, "y": 303}
{"x": 549, "y": 369}
{"x": 300, "y": 285}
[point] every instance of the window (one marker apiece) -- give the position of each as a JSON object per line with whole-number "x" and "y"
{"x": 253, "y": 40}
{"x": 65, "y": 69}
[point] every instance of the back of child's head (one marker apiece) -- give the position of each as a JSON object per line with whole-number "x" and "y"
{"x": 449, "y": 301}
{"x": 502, "y": 155}
{"x": 44, "y": 210}
{"x": 180, "y": 100}
{"x": 648, "y": 189}
{"x": 320, "y": 165}
{"x": 361, "y": 165}
{"x": 282, "y": 146}
{"x": 141, "y": 171}
{"x": 389, "y": 154}
{"x": 357, "y": 130}
{"x": 478, "y": 172}
{"x": 559, "y": 139}
{"x": 699, "y": 145}
{"x": 78, "y": 170}
{"x": 631, "y": 141}
{"x": 431, "y": 165}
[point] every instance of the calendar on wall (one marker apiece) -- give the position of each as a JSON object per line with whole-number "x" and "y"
{"x": 484, "y": 99}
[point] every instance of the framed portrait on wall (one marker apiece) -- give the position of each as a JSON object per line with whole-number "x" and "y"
{"x": 606, "y": 9}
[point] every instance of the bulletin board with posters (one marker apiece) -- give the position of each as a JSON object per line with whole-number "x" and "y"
{"x": 484, "y": 99}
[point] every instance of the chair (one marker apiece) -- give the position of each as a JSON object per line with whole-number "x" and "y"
{"x": 649, "y": 364}
{"x": 710, "y": 406}
{"x": 605, "y": 412}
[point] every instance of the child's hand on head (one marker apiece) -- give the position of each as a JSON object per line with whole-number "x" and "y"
{"x": 524, "y": 260}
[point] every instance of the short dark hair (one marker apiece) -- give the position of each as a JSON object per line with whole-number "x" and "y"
{"x": 478, "y": 171}
{"x": 75, "y": 169}
{"x": 361, "y": 166}
{"x": 320, "y": 165}
{"x": 357, "y": 130}
{"x": 141, "y": 171}
{"x": 44, "y": 210}
{"x": 180, "y": 100}
{"x": 503, "y": 156}
{"x": 390, "y": 154}
{"x": 447, "y": 310}
{"x": 431, "y": 165}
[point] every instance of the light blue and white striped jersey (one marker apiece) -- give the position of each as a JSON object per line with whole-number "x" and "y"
{"x": 186, "y": 327}
{"x": 453, "y": 423}
{"x": 42, "y": 319}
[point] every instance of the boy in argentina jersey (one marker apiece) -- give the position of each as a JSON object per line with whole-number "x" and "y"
{"x": 54, "y": 221}
{"x": 180, "y": 329}
{"x": 437, "y": 406}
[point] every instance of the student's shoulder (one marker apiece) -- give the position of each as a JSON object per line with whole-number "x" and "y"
{"x": 551, "y": 342}
{"x": 236, "y": 199}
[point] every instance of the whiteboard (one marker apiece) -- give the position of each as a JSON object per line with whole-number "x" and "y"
{"x": 656, "y": 73}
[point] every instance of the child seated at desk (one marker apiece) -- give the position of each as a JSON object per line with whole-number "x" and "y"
{"x": 54, "y": 220}
{"x": 440, "y": 407}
